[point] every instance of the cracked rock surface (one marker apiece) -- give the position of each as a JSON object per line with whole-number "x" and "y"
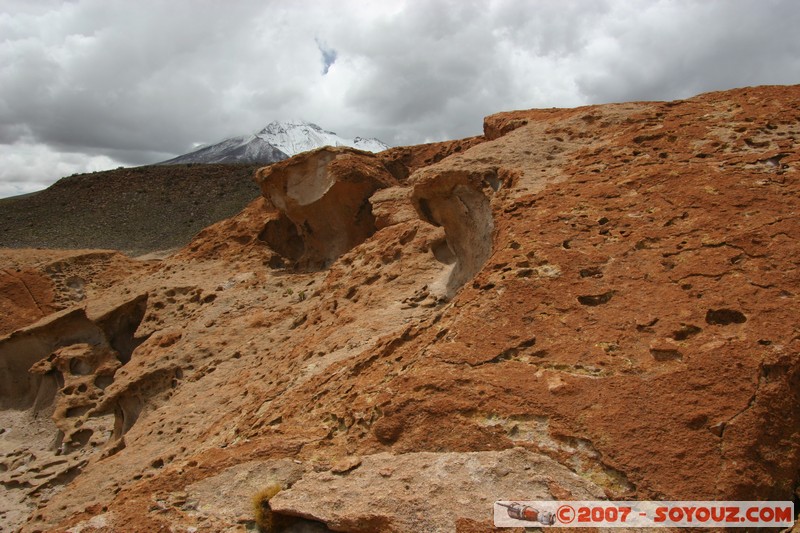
{"x": 585, "y": 303}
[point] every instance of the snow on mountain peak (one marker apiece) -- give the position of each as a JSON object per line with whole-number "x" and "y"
{"x": 294, "y": 136}
{"x": 277, "y": 127}
{"x": 278, "y": 140}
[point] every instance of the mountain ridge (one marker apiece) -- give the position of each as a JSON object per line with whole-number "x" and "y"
{"x": 277, "y": 141}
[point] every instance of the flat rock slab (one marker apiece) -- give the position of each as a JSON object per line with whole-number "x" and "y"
{"x": 428, "y": 491}
{"x": 228, "y": 496}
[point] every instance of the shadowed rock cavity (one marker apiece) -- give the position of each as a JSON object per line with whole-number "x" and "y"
{"x": 120, "y": 325}
{"x": 456, "y": 201}
{"x": 323, "y": 199}
{"x": 126, "y": 412}
{"x": 282, "y": 235}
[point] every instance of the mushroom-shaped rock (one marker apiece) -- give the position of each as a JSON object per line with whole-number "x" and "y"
{"x": 323, "y": 197}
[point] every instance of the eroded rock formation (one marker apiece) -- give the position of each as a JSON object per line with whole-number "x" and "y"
{"x": 582, "y": 303}
{"x": 323, "y": 200}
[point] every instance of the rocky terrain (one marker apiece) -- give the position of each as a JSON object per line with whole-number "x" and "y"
{"x": 582, "y": 303}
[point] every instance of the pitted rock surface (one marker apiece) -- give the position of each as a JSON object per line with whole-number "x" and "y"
{"x": 606, "y": 294}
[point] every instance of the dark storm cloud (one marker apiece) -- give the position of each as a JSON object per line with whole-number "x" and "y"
{"x": 93, "y": 83}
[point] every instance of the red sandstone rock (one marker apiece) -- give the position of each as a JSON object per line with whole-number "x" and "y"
{"x": 609, "y": 291}
{"x": 323, "y": 199}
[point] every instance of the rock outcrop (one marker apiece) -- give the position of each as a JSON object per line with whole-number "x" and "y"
{"x": 323, "y": 199}
{"x": 582, "y": 303}
{"x": 415, "y": 491}
{"x": 25, "y": 297}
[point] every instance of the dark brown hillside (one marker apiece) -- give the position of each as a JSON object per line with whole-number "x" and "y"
{"x": 136, "y": 210}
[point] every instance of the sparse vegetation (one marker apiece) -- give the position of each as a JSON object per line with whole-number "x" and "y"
{"x": 266, "y": 521}
{"x": 136, "y": 210}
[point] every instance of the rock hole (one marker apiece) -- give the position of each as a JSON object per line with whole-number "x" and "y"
{"x": 48, "y": 386}
{"x": 593, "y": 272}
{"x": 662, "y": 355}
{"x": 774, "y": 372}
{"x": 103, "y": 381}
{"x": 80, "y": 410}
{"x": 596, "y": 299}
{"x": 408, "y": 236}
{"x": 527, "y": 343}
{"x": 442, "y": 252}
{"x": 81, "y": 437}
{"x": 756, "y": 144}
{"x": 493, "y": 181}
{"x": 425, "y": 211}
{"x": 686, "y": 331}
{"x": 774, "y": 161}
{"x": 80, "y": 367}
{"x": 724, "y": 317}
{"x": 697, "y": 422}
{"x": 120, "y": 327}
{"x": 126, "y": 412}
{"x": 282, "y": 235}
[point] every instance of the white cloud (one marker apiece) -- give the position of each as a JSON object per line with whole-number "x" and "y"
{"x": 138, "y": 82}
{"x": 29, "y": 167}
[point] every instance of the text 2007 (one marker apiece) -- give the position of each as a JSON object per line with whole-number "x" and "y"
{"x": 603, "y": 514}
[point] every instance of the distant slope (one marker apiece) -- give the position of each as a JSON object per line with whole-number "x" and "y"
{"x": 277, "y": 141}
{"x": 136, "y": 210}
{"x": 238, "y": 150}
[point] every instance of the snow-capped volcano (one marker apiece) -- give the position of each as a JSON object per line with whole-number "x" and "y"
{"x": 294, "y": 136}
{"x": 279, "y": 140}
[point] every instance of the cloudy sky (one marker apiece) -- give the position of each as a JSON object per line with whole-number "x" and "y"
{"x": 95, "y": 84}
